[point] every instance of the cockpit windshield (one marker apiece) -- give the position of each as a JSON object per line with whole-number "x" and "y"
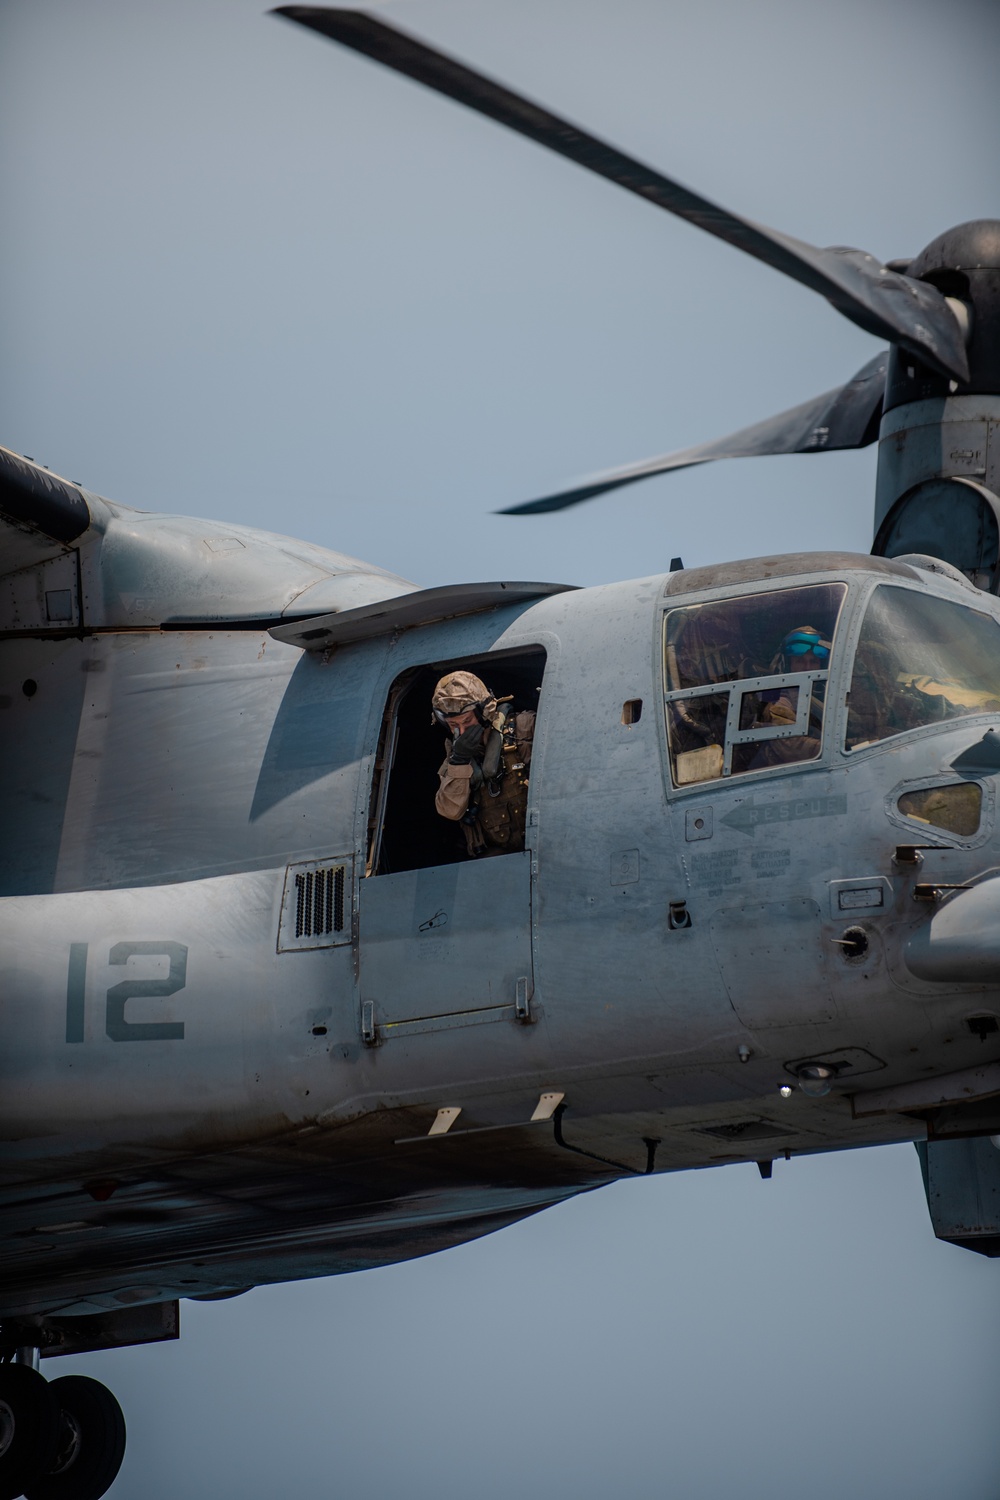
{"x": 920, "y": 660}
{"x": 746, "y": 680}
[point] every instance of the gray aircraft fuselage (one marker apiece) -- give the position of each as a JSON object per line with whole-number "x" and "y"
{"x": 210, "y": 1082}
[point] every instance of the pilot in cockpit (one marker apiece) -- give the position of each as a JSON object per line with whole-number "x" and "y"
{"x": 803, "y": 649}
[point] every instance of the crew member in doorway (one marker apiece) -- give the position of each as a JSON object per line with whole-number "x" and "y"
{"x": 484, "y": 776}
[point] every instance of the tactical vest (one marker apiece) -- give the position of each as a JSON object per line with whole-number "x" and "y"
{"x": 497, "y": 815}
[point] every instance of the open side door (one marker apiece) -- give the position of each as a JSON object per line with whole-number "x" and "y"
{"x": 444, "y": 940}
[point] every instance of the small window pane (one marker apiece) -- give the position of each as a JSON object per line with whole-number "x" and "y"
{"x": 783, "y": 750}
{"x": 739, "y": 638}
{"x": 956, "y": 807}
{"x": 697, "y": 735}
{"x": 778, "y": 706}
{"x": 920, "y": 660}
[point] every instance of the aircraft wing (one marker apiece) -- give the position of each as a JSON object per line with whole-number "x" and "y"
{"x": 71, "y": 560}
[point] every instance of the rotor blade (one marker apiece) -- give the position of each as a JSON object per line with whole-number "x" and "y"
{"x": 847, "y": 417}
{"x": 883, "y": 302}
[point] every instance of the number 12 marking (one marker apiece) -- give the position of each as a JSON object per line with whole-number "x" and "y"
{"x": 115, "y": 1024}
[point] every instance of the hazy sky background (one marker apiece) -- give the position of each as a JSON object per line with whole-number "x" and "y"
{"x": 250, "y": 276}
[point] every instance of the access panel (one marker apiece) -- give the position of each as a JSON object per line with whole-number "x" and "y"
{"x": 444, "y": 947}
{"x": 773, "y": 962}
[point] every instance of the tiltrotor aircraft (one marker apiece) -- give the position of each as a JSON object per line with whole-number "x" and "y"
{"x": 263, "y": 1017}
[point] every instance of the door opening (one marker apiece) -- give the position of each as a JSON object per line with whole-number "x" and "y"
{"x": 405, "y": 830}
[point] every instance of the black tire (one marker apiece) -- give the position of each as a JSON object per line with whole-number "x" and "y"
{"x": 91, "y": 1442}
{"x": 29, "y": 1428}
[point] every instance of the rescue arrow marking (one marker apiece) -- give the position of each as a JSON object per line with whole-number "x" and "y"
{"x": 750, "y": 815}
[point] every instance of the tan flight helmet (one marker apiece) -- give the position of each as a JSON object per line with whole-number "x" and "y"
{"x": 457, "y": 692}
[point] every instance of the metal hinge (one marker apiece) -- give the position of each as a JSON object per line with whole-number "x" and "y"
{"x": 369, "y": 1029}
{"x": 522, "y": 998}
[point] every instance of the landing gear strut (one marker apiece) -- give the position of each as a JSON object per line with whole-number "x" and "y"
{"x": 59, "y": 1440}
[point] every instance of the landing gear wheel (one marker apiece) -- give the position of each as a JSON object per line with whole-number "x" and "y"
{"x": 91, "y": 1442}
{"x": 29, "y": 1428}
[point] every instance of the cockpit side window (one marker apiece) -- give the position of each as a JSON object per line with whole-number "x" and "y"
{"x": 920, "y": 660}
{"x": 746, "y": 680}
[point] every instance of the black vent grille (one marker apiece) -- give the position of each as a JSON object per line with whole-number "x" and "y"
{"x": 319, "y": 902}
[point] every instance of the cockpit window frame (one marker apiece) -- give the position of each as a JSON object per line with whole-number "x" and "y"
{"x": 855, "y": 599}
{"x": 947, "y": 594}
{"x": 861, "y": 586}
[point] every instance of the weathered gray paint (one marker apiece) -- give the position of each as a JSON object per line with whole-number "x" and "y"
{"x": 963, "y": 1191}
{"x": 434, "y": 953}
{"x": 947, "y": 437}
{"x": 255, "y": 1133}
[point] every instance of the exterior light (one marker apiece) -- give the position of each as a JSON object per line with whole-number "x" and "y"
{"x": 815, "y": 1079}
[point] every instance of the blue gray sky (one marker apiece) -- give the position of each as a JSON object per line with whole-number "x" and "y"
{"x": 252, "y": 277}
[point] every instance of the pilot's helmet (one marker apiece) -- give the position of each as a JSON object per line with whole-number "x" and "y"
{"x": 459, "y": 692}
{"x": 803, "y": 641}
